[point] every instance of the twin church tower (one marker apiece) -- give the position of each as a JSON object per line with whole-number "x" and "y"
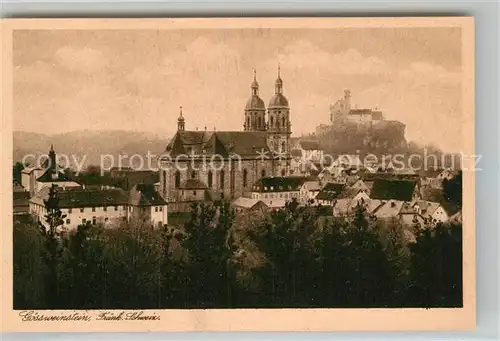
{"x": 277, "y": 125}
{"x": 263, "y": 147}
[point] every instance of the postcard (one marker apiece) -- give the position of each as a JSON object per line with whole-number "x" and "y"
{"x": 238, "y": 174}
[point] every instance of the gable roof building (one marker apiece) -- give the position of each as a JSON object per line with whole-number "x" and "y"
{"x": 279, "y": 184}
{"x": 247, "y": 144}
{"x": 330, "y": 192}
{"x": 401, "y": 190}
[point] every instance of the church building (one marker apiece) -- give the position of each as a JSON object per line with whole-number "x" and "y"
{"x": 226, "y": 164}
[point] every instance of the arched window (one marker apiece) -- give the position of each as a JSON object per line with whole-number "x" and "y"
{"x": 164, "y": 180}
{"x": 177, "y": 179}
{"x": 245, "y": 175}
{"x": 272, "y": 121}
{"x": 263, "y": 173}
{"x": 221, "y": 179}
{"x": 193, "y": 174}
{"x": 259, "y": 120}
{"x": 210, "y": 179}
{"x": 283, "y": 172}
{"x": 248, "y": 122}
{"x": 283, "y": 121}
{"x": 283, "y": 146}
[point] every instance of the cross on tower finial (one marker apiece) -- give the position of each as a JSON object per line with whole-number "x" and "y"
{"x": 254, "y": 75}
{"x": 279, "y": 70}
{"x": 181, "y": 110}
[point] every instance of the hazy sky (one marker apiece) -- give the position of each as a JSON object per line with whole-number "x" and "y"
{"x": 136, "y": 80}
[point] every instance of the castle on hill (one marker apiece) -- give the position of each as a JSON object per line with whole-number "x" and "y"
{"x": 366, "y": 130}
{"x": 342, "y": 111}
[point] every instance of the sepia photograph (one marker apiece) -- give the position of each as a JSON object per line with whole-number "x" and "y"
{"x": 221, "y": 166}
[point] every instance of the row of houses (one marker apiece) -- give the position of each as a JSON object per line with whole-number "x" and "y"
{"x": 103, "y": 206}
{"x": 81, "y": 204}
{"x": 384, "y": 198}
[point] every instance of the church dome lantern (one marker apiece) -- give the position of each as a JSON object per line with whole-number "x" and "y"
{"x": 255, "y": 109}
{"x": 278, "y": 100}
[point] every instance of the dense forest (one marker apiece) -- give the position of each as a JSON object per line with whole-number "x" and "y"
{"x": 293, "y": 257}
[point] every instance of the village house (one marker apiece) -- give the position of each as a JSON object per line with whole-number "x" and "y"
{"x": 363, "y": 186}
{"x": 310, "y": 150}
{"x": 243, "y": 204}
{"x": 34, "y": 178}
{"x": 434, "y": 177}
{"x": 83, "y": 205}
{"x": 102, "y": 206}
{"x": 308, "y": 191}
{"x": 285, "y": 188}
{"x": 432, "y": 211}
{"x": 348, "y": 200}
{"x": 329, "y": 193}
{"x": 400, "y": 190}
{"x": 146, "y": 204}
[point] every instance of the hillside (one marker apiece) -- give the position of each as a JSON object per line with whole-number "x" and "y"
{"x": 89, "y": 144}
{"x": 348, "y": 138}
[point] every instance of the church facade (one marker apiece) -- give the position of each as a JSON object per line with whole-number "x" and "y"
{"x": 226, "y": 164}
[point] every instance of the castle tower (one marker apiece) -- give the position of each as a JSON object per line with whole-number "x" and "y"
{"x": 279, "y": 126}
{"x": 181, "y": 124}
{"x": 255, "y": 110}
{"x": 347, "y": 100}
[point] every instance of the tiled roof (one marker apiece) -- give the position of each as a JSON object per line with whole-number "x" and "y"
{"x": 312, "y": 185}
{"x": 348, "y": 193}
{"x": 279, "y": 184}
{"x": 431, "y": 194}
{"x": 360, "y": 112}
{"x": 243, "y": 143}
{"x": 50, "y": 176}
{"x": 388, "y": 209}
{"x": 387, "y": 176}
{"x": 245, "y": 202}
{"x": 193, "y": 184}
{"x": 392, "y": 190}
{"x": 134, "y": 177}
{"x": 330, "y": 191}
{"x": 145, "y": 195}
{"x": 427, "y": 208}
{"x": 74, "y": 198}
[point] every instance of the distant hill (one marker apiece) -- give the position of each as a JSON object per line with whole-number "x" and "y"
{"x": 93, "y": 144}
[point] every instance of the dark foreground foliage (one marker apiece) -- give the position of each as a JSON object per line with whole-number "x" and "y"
{"x": 293, "y": 257}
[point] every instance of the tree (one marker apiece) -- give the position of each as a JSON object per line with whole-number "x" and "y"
{"x": 436, "y": 267}
{"x": 208, "y": 245}
{"x": 29, "y": 268}
{"x": 284, "y": 238}
{"x": 83, "y": 270}
{"x": 16, "y": 172}
{"x": 52, "y": 250}
{"x": 452, "y": 189}
{"x": 367, "y": 272}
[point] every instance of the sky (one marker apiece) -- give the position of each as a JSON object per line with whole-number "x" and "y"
{"x": 67, "y": 80}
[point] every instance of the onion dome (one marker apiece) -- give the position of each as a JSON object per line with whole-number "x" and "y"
{"x": 255, "y": 102}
